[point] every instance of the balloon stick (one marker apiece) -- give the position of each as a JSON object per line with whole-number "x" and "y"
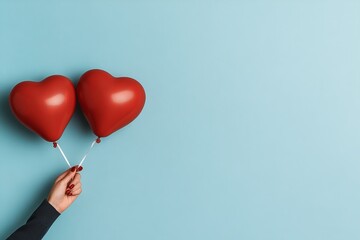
{"x": 57, "y": 145}
{"x": 87, "y": 152}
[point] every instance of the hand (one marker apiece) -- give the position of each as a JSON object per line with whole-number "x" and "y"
{"x": 66, "y": 189}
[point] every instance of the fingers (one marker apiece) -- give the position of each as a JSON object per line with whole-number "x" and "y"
{"x": 78, "y": 169}
{"x": 69, "y": 175}
{"x": 69, "y": 171}
{"x": 75, "y": 192}
{"x": 74, "y": 187}
{"x": 75, "y": 180}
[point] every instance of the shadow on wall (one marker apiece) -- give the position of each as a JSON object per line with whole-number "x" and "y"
{"x": 8, "y": 120}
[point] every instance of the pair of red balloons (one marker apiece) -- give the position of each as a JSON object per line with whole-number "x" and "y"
{"x": 108, "y": 103}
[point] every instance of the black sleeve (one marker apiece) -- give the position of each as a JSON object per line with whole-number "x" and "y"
{"x": 38, "y": 224}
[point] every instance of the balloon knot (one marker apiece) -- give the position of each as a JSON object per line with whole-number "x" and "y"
{"x": 55, "y": 144}
{"x": 98, "y": 140}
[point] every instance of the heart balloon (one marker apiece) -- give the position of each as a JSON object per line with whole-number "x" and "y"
{"x": 44, "y": 107}
{"x": 109, "y": 103}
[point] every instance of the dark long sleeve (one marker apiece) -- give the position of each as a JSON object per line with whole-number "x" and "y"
{"x": 38, "y": 224}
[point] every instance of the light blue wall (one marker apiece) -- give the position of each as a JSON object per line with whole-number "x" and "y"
{"x": 250, "y": 130}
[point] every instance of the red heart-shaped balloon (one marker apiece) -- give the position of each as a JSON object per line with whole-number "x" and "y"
{"x": 45, "y": 107}
{"x": 109, "y": 103}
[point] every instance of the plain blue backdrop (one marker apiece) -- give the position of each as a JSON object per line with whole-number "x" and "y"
{"x": 250, "y": 129}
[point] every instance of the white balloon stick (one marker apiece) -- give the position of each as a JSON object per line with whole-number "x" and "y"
{"x": 92, "y": 145}
{"x": 63, "y": 154}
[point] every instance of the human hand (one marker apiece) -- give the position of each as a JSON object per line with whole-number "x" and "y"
{"x": 66, "y": 189}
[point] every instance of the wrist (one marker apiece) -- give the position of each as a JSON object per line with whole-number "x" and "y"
{"x": 54, "y": 205}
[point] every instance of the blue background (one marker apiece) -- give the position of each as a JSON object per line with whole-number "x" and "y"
{"x": 250, "y": 130}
